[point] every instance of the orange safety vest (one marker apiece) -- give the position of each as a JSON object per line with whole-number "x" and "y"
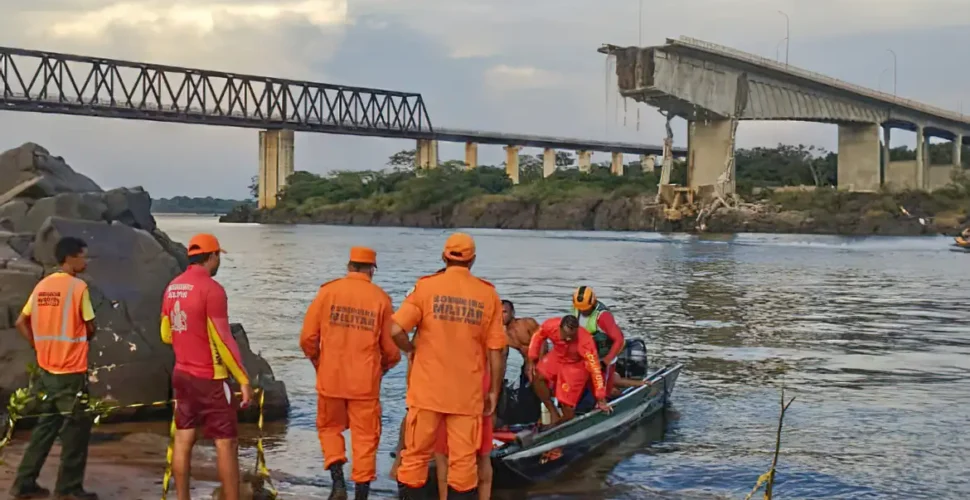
{"x": 60, "y": 335}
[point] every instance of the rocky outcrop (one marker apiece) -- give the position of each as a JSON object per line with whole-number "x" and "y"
{"x": 131, "y": 262}
{"x": 865, "y": 214}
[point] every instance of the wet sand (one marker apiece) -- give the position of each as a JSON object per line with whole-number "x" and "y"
{"x": 122, "y": 465}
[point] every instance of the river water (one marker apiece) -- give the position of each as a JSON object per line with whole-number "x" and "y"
{"x": 871, "y": 335}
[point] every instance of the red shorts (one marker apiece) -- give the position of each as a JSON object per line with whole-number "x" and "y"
{"x": 569, "y": 379}
{"x": 205, "y": 403}
{"x": 441, "y": 443}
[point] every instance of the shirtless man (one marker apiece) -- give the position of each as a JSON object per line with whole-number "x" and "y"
{"x": 519, "y": 332}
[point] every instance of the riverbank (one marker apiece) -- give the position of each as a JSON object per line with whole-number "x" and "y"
{"x": 823, "y": 211}
{"x": 121, "y": 466}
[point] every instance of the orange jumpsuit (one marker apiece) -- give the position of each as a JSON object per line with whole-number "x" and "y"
{"x": 347, "y": 335}
{"x": 459, "y": 319}
{"x": 570, "y": 365}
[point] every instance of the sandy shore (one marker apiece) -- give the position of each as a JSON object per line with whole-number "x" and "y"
{"x": 122, "y": 464}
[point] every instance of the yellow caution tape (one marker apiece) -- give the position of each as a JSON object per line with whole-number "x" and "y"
{"x": 169, "y": 455}
{"x": 762, "y": 480}
{"x": 22, "y": 398}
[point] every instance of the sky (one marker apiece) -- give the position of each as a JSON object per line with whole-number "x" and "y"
{"x": 497, "y": 65}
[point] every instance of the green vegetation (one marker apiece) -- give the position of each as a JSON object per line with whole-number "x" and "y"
{"x": 186, "y": 205}
{"x": 401, "y": 188}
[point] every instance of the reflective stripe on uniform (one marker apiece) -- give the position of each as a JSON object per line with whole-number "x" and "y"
{"x": 66, "y": 308}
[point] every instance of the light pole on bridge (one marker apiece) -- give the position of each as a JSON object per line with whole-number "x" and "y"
{"x": 787, "y": 34}
{"x": 891, "y": 51}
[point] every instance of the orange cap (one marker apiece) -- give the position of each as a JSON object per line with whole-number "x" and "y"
{"x": 204, "y": 243}
{"x": 363, "y": 255}
{"x": 459, "y": 247}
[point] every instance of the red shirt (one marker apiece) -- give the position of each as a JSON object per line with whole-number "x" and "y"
{"x": 582, "y": 349}
{"x": 195, "y": 320}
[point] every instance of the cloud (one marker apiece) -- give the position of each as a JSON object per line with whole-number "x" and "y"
{"x": 199, "y": 16}
{"x": 500, "y": 65}
{"x": 505, "y": 77}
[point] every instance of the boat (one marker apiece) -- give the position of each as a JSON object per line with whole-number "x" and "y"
{"x": 532, "y": 456}
{"x": 961, "y": 243}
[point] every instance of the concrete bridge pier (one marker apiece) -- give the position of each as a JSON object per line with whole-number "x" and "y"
{"x": 275, "y": 165}
{"x": 548, "y": 162}
{"x": 471, "y": 155}
{"x": 859, "y": 152}
{"x": 709, "y": 146}
{"x": 938, "y": 176}
{"x": 921, "y": 157}
{"x": 616, "y": 165}
{"x": 648, "y": 163}
{"x": 426, "y": 154}
{"x": 585, "y": 161}
{"x": 512, "y": 162}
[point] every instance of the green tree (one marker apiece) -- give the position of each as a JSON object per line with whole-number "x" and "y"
{"x": 254, "y": 187}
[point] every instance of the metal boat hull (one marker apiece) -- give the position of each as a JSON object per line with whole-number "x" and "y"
{"x": 551, "y": 452}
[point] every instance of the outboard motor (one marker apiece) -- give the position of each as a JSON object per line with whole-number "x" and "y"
{"x": 632, "y": 362}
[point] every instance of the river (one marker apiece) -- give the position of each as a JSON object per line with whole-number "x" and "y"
{"x": 871, "y": 335}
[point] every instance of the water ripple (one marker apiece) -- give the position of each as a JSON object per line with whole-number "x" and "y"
{"x": 870, "y": 334}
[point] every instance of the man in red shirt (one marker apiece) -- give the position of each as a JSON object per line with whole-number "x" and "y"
{"x": 597, "y": 319}
{"x": 570, "y": 364}
{"x": 195, "y": 320}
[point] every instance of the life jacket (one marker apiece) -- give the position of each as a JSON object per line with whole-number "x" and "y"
{"x": 603, "y": 342}
{"x": 60, "y": 334}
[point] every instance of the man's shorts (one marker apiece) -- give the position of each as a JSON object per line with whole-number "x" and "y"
{"x": 569, "y": 379}
{"x": 485, "y": 449}
{"x": 205, "y": 403}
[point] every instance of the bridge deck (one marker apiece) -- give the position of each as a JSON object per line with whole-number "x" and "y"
{"x": 57, "y": 83}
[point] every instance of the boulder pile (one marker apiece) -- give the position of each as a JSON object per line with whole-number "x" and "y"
{"x": 131, "y": 262}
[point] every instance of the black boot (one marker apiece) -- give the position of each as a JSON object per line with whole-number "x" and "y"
{"x": 405, "y": 492}
{"x": 471, "y": 494}
{"x": 339, "y": 489}
{"x": 361, "y": 491}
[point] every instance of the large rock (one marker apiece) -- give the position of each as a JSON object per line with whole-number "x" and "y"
{"x": 29, "y": 161}
{"x": 81, "y": 206}
{"x": 12, "y": 214}
{"x": 130, "y": 263}
{"x": 132, "y": 207}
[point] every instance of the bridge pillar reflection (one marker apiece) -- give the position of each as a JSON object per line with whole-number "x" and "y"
{"x": 426, "y": 154}
{"x": 585, "y": 161}
{"x": 512, "y": 163}
{"x": 548, "y": 162}
{"x": 471, "y": 155}
{"x": 275, "y": 165}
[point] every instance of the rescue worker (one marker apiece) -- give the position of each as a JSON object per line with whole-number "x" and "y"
{"x": 347, "y": 336}
{"x": 597, "y": 319}
{"x": 568, "y": 367}
{"x": 484, "y": 454}
{"x": 459, "y": 326}
{"x": 58, "y": 322}
{"x": 195, "y": 321}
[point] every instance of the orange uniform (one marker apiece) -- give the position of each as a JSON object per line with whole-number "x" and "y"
{"x": 58, "y": 309}
{"x": 570, "y": 364}
{"x": 459, "y": 319}
{"x": 347, "y": 335}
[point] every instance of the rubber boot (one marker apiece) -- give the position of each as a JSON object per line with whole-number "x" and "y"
{"x": 339, "y": 489}
{"x": 405, "y": 492}
{"x": 361, "y": 491}
{"x": 471, "y": 494}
